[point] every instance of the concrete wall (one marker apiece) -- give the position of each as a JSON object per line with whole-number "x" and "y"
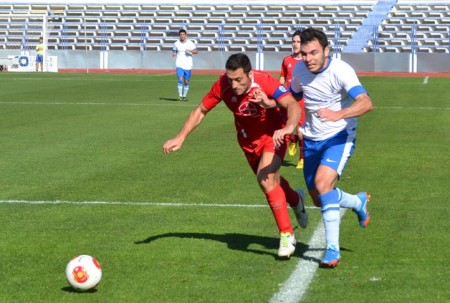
{"x": 379, "y": 62}
{"x": 398, "y": 62}
{"x": 370, "y": 62}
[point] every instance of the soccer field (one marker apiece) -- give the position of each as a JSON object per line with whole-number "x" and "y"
{"x": 82, "y": 172}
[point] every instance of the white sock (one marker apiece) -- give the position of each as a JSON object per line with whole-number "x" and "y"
{"x": 347, "y": 200}
{"x": 331, "y": 216}
{"x": 180, "y": 89}
{"x": 332, "y": 220}
{"x": 186, "y": 89}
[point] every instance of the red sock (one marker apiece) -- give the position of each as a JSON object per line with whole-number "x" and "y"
{"x": 292, "y": 138}
{"x": 291, "y": 195}
{"x": 277, "y": 203}
{"x": 301, "y": 155}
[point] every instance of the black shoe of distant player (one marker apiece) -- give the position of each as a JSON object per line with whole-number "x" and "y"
{"x": 180, "y": 98}
{"x": 300, "y": 211}
{"x": 185, "y": 99}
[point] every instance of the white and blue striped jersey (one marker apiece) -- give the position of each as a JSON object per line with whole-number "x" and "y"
{"x": 335, "y": 87}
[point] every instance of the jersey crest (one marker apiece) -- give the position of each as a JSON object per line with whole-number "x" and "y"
{"x": 248, "y": 109}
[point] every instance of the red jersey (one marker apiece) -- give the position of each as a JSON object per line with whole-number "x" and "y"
{"x": 251, "y": 120}
{"x": 287, "y": 65}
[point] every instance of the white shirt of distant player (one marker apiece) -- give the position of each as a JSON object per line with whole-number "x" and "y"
{"x": 184, "y": 59}
{"x": 326, "y": 89}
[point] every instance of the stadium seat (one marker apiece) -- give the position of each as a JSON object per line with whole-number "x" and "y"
{"x": 204, "y": 47}
{"x": 215, "y": 21}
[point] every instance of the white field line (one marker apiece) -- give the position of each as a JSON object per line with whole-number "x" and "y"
{"x": 292, "y": 290}
{"x": 177, "y": 104}
{"x": 95, "y": 103}
{"x": 413, "y": 107}
{"x": 130, "y": 79}
{"x": 296, "y": 286}
{"x": 137, "y": 203}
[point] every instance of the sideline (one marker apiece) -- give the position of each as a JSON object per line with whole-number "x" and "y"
{"x": 296, "y": 286}
{"x": 56, "y": 202}
{"x": 220, "y": 71}
{"x": 177, "y": 104}
{"x": 292, "y": 290}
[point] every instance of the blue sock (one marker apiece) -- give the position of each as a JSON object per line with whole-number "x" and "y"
{"x": 331, "y": 217}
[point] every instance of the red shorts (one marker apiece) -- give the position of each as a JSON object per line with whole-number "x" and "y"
{"x": 254, "y": 151}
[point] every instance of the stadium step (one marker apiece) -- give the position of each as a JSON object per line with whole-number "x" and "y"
{"x": 366, "y": 30}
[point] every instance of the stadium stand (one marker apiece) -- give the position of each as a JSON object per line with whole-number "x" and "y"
{"x": 411, "y": 27}
{"x": 363, "y": 26}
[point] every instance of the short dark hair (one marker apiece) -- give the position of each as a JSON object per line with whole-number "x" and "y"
{"x": 239, "y": 60}
{"x": 310, "y": 34}
{"x": 296, "y": 33}
{"x": 182, "y": 31}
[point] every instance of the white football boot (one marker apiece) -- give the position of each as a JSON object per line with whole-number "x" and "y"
{"x": 287, "y": 245}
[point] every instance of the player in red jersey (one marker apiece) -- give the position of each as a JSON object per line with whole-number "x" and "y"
{"x": 287, "y": 65}
{"x": 261, "y": 133}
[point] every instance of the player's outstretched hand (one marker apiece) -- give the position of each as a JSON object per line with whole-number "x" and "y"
{"x": 279, "y": 136}
{"x": 172, "y": 145}
{"x": 259, "y": 97}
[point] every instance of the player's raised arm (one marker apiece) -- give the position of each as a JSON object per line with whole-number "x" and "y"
{"x": 195, "y": 118}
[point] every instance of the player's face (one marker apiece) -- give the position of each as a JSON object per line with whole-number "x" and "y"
{"x": 239, "y": 80}
{"x": 182, "y": 36}
{"x": 314, "y": 55}
{"x": 296, "y": 44}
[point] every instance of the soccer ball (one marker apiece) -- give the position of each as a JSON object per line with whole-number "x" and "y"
{"x": 83, "y": 272}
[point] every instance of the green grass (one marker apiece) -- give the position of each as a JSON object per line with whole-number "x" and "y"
{"x": 78, "y": 137}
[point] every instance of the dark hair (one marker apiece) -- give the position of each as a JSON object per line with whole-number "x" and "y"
{"x": 310, "y": 34}
{"x": 296, "y": 33}
{"x": 239, "y": 60}
{"x": 182, "y": 31}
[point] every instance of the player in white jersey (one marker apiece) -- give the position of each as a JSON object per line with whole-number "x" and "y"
{"x": 183, "y": 49}
{"x": 334, "y": 98}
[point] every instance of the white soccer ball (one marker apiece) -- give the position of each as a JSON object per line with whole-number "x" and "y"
{"x": 83, "y": 272}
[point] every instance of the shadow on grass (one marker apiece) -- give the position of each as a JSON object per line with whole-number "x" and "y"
{"x": 169, "y": 99}
{"x": 71, "y": 289}
{"x": 235, "y": 241}
{"x": 287, "y": 163}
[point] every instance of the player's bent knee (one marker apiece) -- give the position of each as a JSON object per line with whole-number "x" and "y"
{"x": 322, "y": 186}
{"x": 314, "y": 196}
{"x": 266, "y": 183}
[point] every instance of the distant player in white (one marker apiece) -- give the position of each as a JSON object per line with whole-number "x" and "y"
{"x": 334, "y": 98}
{"x": 183, "y": 49}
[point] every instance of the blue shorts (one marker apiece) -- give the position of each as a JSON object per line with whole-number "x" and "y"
{"x": 333, "y": 152}
{"x": 39, "y": 58}
{"x": 183, "y": 73}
